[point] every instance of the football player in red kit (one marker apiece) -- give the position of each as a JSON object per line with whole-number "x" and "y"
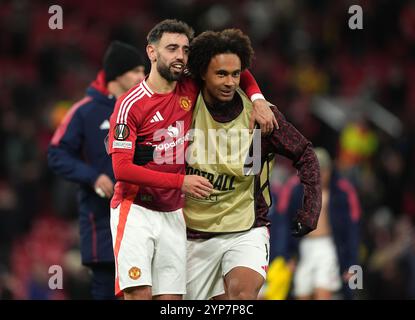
{"x": 147, "y": 224}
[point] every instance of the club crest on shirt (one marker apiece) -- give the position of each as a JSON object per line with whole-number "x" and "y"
{"x": 185, "y": 103}
{"x": 134, "y": 273}
{"x": 121, "y": 132}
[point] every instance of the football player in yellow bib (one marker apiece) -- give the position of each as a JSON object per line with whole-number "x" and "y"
{"x": 228, "y": 237}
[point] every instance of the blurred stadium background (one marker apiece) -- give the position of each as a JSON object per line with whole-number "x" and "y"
{"x": 350, "y": 91}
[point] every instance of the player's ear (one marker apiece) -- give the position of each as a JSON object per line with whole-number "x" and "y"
{"x": 151, "y": 52}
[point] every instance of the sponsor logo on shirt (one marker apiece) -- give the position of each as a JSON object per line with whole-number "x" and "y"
{"x": 121, "y": 132}
{"x": 168, "y": 145}
{"x": 173, "y": 131}
{"x": 146, "y": 198}
{"x": 122, "y": 144}
{"x": 173, "y": 136}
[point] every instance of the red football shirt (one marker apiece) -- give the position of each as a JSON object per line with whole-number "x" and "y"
{"x": 162, "y": 121}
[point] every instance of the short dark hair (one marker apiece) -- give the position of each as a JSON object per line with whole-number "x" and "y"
{"x": 169, "y": 26}
{"x": 209, "y": 44}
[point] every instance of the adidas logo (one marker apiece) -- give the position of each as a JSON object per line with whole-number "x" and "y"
{"x": 157, "y": 117}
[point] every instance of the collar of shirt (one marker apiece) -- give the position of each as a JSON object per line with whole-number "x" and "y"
{"x": 226, "y": 111}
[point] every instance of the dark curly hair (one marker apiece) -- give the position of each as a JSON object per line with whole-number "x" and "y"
{"x": 169, "y": 26}
{"x": 209, "y": 44}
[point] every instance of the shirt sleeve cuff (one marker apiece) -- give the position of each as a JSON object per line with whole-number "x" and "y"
{"x": 180, "y": 180}
{"x": 257, "y": 96}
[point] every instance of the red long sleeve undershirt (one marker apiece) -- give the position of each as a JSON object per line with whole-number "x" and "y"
{"x": 249, "y": 84}
{"x": 125, "y": 170}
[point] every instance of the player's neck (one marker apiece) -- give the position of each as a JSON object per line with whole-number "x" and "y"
{"x": 223, "y": 111}
{"x": 159, "y": 84}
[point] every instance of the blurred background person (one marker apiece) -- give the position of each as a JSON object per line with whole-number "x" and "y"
{"x": 324, "y": 256}
{"x": 77, "y": 153}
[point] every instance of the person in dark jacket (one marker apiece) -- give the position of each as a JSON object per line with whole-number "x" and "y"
{"x": 326, "y": 254}
{"x": 77, "y": 153}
